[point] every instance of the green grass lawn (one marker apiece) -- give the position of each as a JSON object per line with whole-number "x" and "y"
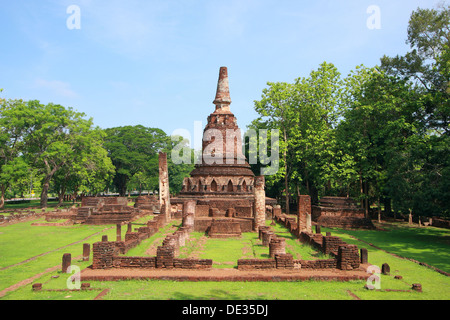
{"x": 226, "y": 252}
{"x": 427, "y": 244}
{"x": 21, "y": 241}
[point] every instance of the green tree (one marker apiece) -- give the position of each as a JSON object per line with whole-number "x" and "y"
{"x": 426, "y": 65}
{"x": 89, "y": 169}
{"x": 275, "y": 111}
{"x": 13, "y": 166}
{"x": 377, "y": 128}
{"x": 134, "y": 150}
{"x": 313, "y": 142}
{"x": 53, "y": 135}
{"x": 178, "y": 171}
{"x": 306, "y": 113}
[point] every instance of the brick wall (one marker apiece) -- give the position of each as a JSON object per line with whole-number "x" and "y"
{"x": 246, "y": 211}
{"x": 281, "y": 261}
{"x": 345, "y": 222}
{"x": 103, "y": 253}
{"x": 252, "y": 264}
{"x": 317, "y": 264}
{"x": 203, "y": 224}
{"x": 304, "y": 208}
{"x": 345, "y": 258}
{"x": 330, "y": 244}
{"x": 348, "y": 257}
{"x": 134, "y": 262}
{"x": 192, "y": 263}
{"x": 202, "y": 210}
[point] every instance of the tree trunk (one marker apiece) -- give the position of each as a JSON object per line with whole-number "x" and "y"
{"x": 361, "y": 189}
{"x": 286, "y": 180}
{"x": 366, "y": 200}
{"x": 387, "y": 206}
{"x": 44, "y": 192}
{"x": 2, "y": 196}
{"x": 123, "y": 190}
{"x": 74, "y": 196}
{"x": 379, "y": 209}
{"x": 46, "y": 184}
{"x": 61, "y": 195}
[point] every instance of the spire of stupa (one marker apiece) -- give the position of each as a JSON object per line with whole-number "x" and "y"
{"x": 222, "y": 100}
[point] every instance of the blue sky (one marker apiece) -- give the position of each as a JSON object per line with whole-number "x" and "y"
{"x": 156, "y": 63}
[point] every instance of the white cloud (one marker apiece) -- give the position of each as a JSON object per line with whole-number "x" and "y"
{"x": 56, "y": 87}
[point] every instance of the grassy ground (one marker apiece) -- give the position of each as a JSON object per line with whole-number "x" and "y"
{"x": 46, "y": 245}
{"x": 429, "y": 245}
{"x": 225, "y": 253}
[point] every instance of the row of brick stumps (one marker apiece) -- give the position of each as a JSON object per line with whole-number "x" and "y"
{"x": 105, "y": 253}
{"x": 343, "y": 255}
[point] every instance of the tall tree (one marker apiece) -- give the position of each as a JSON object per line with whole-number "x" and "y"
{"x": 275, "y": 112}
{"x": 426, "y": 64}
{"x": 89, "y": 169}
{"x": 313, "y": 142}
{"x": 133, "y": 150}
{"x": 427, "y": 67}
{"x": 13, "y": 166}
{"x": 54, "y": 135}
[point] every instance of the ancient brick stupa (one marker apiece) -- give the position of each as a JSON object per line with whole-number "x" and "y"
{"x": 222, "y": 185}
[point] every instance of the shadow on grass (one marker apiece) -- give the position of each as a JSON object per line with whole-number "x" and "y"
{"x": 426, "y": 244}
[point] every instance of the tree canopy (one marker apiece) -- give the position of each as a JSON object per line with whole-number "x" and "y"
{"x": 380, "y": 135}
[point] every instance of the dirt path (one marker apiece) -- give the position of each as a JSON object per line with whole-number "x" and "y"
{"x": 354, "y": 296}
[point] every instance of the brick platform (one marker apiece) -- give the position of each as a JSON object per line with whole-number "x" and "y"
{"x": 117, "y": 274}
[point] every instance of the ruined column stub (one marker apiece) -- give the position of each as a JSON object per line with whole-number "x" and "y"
{"x": 86, "y": 251}
{"x": 260, "y": 202}
{"x": 66, "y": 262}
{"x": 118, "y": 232}
{"x": 164, "y": 195}
{"x": 304, "y": 213}
{"x": 222, "y": 100}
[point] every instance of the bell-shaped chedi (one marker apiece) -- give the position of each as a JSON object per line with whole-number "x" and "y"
{"x": 223, "y": 168}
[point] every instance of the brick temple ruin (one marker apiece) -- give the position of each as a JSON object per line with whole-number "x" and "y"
{"x": 223, "y": 199}
{"x": 106, "y": 210}
{"x": 340, "y": 212}
{"x": 224, "y": 196}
